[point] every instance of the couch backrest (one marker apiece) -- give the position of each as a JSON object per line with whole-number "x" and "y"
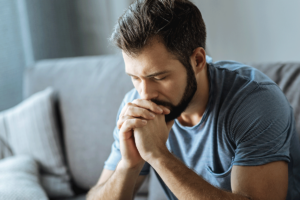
{"x": 287, "y": 76}
{"x": 90, "y": 91}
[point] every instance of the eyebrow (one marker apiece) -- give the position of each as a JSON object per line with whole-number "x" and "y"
{"x": 152, "y": 75}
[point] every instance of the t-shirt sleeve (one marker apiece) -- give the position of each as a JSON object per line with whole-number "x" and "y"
{"x": 261, "y": 127}
{"x": 115, "y": 155}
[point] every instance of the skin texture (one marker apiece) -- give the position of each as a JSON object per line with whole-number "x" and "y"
{"x": 145, "y": 141}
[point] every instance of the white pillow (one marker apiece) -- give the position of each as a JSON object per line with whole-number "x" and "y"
{"x": 19, "y": 179}
{"x": 5, "y": 150}
{"x": 31, "y": 130}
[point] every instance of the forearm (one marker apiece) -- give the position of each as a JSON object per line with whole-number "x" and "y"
{"x": 185, "y": 183}
{"x": 119, "y": 186}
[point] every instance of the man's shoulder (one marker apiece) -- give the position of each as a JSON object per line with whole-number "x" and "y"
{"x": 241, "y": 90}
{"x": 241, "y": 70}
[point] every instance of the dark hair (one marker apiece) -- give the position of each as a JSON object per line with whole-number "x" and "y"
{"x": 177, "y": 23}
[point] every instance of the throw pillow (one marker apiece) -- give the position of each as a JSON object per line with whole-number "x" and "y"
{"x": 19, "y": 179}
{"x": 5, "y": 150}
{"x": 31, "y": 130}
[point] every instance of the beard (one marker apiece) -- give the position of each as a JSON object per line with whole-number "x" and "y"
{"x": 189, "y": 92}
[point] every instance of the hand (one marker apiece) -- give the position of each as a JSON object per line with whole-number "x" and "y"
{"x": 135, "y": 115}
{"x": 151, "y": 139}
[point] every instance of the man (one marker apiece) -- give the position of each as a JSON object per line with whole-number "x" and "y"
{"x": 210, "y": 130}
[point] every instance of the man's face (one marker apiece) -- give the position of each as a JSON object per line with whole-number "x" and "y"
{"x": 158, "y": 76}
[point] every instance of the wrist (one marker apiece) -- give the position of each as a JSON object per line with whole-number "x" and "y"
{"x": 125, "y": 166}
{"x": 155, "y": 157}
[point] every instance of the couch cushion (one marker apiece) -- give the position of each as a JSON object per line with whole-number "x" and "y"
{"x": 78, "y": 197}
{"x": 31, "y": 131}
{"x": 19, "y": 179}
{"x": 287, "y": 76}
{"x": 156, "y": 191}
{"x": 90, "y": 91}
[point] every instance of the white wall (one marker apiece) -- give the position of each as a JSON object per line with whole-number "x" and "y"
{"x": 252, "y": 30}
{"x": 242, "y": 30}
{"x": 96, "y": 19}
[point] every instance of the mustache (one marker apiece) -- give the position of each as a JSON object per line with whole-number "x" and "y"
{"x": 168, "y": 105}
{"x": 162, "y": 103}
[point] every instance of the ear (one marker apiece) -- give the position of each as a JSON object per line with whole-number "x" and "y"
{"x": 198, "y": 59}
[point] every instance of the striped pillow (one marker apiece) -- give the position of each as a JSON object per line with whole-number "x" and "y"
{"x": 31, "y": 130}
{"x": 5, "y": 150}
{"x": 19, "y": 179}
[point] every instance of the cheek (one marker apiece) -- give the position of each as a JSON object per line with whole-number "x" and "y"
{"x": 173, "y": 90}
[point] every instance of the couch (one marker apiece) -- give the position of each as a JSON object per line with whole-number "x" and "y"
{"x": 88, "y": 92}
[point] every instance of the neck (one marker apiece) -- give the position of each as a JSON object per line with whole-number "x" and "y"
{"x": 194, "y": 112}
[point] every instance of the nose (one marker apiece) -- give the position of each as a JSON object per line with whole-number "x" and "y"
{"x": 148, "y": 90}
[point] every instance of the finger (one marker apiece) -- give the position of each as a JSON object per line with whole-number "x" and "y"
{"x": 135, "y": 111}
{"x": 125, "y": 135}
{"x": 148, "y": 105}
{"x": 122, "y": 119}
{"x": 165, "y": 110}
{"x": 130, "y": 124}
{"x": 125, "y": 108}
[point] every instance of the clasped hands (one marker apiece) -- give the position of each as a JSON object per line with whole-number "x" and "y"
{"x": 143, "y": 132}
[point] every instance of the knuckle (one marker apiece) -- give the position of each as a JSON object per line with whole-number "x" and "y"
{"x": 126, "y": 106}
{"x": 126, "y": 123}
{"x": 136, "y": 122}
{"x": 120, "y": 121}
{"x": 128, "y": 111}
{"x": 146, "y": 113}
{"x": 136, "y": 101}
{"x": 153, "y": 105}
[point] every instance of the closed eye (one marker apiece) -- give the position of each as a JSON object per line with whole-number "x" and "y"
{"x": 159, "y": 79}
{"x": 134, "y": 77}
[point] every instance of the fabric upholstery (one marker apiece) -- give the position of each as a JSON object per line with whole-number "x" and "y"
{"x": 287, "y": 76}
{"x": 140, "y": 198}
{"x": 90, "y": 90}
{"x": 83, "y": 197}
{"x": 31, "y": 130}
{"x": 156, "y": 192}
{"x": 19, "y": 179}
{"x": 79, "y": 197}
{"x": 89, "y": 97}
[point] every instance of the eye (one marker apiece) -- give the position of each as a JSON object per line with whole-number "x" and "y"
{"x": 158, "y": 78}
{"x": 134, "y": 78}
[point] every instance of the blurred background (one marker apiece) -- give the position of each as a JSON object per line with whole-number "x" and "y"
{"x": 31, "y": 30}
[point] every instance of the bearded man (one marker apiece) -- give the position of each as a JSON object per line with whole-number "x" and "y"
{"x": 210, "y": 130}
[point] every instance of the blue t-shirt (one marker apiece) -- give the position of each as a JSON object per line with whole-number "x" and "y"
{"x": 248, "y": 121}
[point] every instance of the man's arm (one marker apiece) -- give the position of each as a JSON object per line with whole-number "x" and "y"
{"x": 125, "y": 180}
{"x": 119, "y": 184}
{"x": 268, "y": 181}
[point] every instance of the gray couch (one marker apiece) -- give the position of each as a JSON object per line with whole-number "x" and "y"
{"x": 90, "y": 90}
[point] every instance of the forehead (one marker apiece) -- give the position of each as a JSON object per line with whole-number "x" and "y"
{"x": 153, "y": 58}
